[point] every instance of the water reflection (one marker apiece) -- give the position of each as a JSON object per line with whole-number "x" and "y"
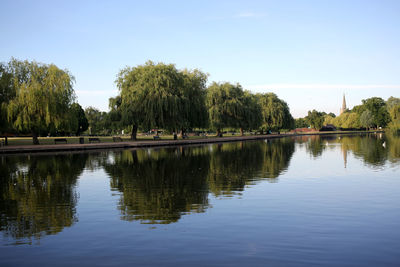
{"x": 157, "y": 186}
{"x": 235, "y": 165}
{"x": 370, "y": 149}
{"x": 232, "y": 166}
{"x": 374, "y": 149}
{"x": 37, "y": 195}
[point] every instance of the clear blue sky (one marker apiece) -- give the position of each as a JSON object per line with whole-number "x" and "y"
{"x": 308, "y": 52}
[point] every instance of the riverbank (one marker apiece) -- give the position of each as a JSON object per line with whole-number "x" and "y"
{"x": 27, "y": 149}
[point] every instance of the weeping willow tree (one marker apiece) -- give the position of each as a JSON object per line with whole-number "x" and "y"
{"x": 160, "y": 96}
{"x": 275, "y": 112}
{"x": 43, "y": 95}
{"x": 7, "y": 92}
{"x": 194, "y": 115}
{"x": 229, "y": 106}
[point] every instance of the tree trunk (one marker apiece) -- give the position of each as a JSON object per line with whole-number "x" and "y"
{"x": 182, "y": 133}
{"x": 241, "y": 132}
{"x": 5, "y": 141}
{"x": 219, "y": 133}
{"x": 134, "y": 132}
{"x": 35, "y": 139}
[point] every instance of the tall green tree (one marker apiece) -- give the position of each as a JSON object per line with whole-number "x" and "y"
{"x": 229, "y": 106}
{"x": 315, "y": 119}
{"x": 153, "y": 96}
{"x": 395, "y": 118}
{"x": 79, "y": 122}
{"x": 195, "y": 115}
{"x": 393, "y": 107}
{"x": 300, "y": 123}
{"x": 252, "y": 116}
{"x": 378, "y": 108}
{"x": 97, "y": 121}
{"x": 7, "y": 92}
{"x": 275, "y": 112}
{"x": 43, "y": 95}
{"x": 367, "y": 119}
{"x": 114, "y": 115}
{"x": 392, "y": 102}
{"x": 348, "y": 120}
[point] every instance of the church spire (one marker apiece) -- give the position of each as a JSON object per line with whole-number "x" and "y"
{"x": 343, "y": 109}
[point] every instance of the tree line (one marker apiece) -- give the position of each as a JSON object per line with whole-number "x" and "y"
{"x": 39, "y": 99}
{"x": 373, "y": 112}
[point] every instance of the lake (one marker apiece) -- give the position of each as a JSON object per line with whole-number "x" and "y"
{"x": 311, "y": 200}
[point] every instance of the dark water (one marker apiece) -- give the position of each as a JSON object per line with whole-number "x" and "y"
{"x": 288, "y": 202}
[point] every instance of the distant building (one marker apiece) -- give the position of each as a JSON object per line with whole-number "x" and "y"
{"x": 343, "y": 109}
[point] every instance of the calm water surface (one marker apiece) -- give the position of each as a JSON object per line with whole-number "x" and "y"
{"x": 306, "y": 201}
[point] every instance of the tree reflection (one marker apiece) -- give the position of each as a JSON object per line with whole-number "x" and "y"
{"x": 374, "y": 149}
{"x": 277, "y": 155}
{"x": 370, "y": 148}
{"x": 37, "y": 194}
{"x": 316, "y": 144}
{"x": 235, "y": 165}
{"x": 392, "y": 142}
{"x": 158, "y": 186}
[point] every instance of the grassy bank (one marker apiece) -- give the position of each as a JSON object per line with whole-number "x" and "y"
{"x": 23, "y": 141}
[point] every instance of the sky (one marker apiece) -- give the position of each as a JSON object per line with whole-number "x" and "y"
{"x": 309, "y": 53}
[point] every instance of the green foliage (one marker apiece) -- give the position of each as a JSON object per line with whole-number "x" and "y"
{"x": 332, "y": 114}
{"x": 43, "y": 95}
{"x": 346, "y": 120}
{"x": 252, "y": 116}
{"x": 367, "y": 119}
{"x": 195, "y": 115}
{"x": 300, "y": 123}
{"x": 229, "y": 106}
{"x": 7, "y": 92}
{"x": 315, "y": 119}
{"x": 275, "y": 112}
{"x": 160, "y": 96}
{"x": 392, "y": 102}
{"x": 350, "y": 120}
{"x": 152, "y": 95}
{"x": 98, "y": 123}
{"x": 79, "y": 122}
{"x": 395, "y": 118}
{"x": 114, "y": 116}
{"x": 378, "y": 108}
{"x": 329, "y": 119}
